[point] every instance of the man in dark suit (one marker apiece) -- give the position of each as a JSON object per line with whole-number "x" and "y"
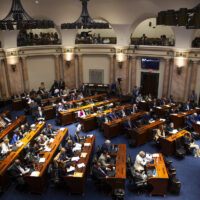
{"x": 69, "y": 148}
{"x": 113, "y": 115}
{"x": 98, "y": 172}
{"x": 106, "y": 146}
{"x": 62, "y": 84}
{"x": 50, "y": 131}
{"x": 40, "y": 116}
{"x": 146, "y": 118}
{"x": 153, "y": 103}
{"x": 187, "y": 106}
{"x": 192, "y": 119}
{"x": 128, "y": 124}
{"x": 77, "y": 138}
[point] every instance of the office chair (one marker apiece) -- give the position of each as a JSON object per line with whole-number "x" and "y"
{"x": 174, "y": 185}
{"x": 180, "y": 150}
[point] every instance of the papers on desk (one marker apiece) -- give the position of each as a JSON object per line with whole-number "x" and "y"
{"x": 47, "y": 149}
{"x": 174, "y": 131}
{"x": 143, "y": 101}
{"x": 83, "y": 155}
{"x": 62, "y": 129}
{"x": 33, "y": 125}
{"x": 81, "y": 165}
{"x": 155, "y": 155}
{"x": 54, "y": 104}
{"x": 87, "y": 144}
{"x": 151, "y": 121}
{"x": 174, "y": 114}
{"x": 198, "y": 122}
{"x": 197, "y": 108}
{"x": 42, "y": 160}
{"x": 19, "y": 144}
{"x": 162, "y": 119}
{"x": 75, "y": 159}
{"x": 89, "y": 136}
{"x": 71, "y": 169}
{"x": 78, "y": 174}
{"x": 35, "y": 173}
{"x": 158, "y": 107}
{"x": 51, "y": 140}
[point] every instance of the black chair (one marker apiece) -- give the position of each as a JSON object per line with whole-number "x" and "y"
{"x": 180, "y": 149}
{"x": 174, "y": 185}
{"x": 98, "y": 151}
{"x": 129, "y": 165}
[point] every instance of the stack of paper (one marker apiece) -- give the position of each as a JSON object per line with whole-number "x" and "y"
{"x": 19, "y": 144}
{"x": 175, "y": 131}
{"x": 87, "y": 144}
{"x": 47, "y": 149}
{"x": 71, "y": 169}
{"x": 78, "y": 174}
{"x": 77, "y": 147}
{"x": 159, "y": 107}
{"x": 198, "y": 122}
{"x": 83, "y": 155}
{"x": 42, "y": 160}
{"x": 75, "y": 159}
{"x": 51, "y": 140}
{"x": 155, "y": 155}
{"x": 90, "y": 136}
{"x": 162, "y": 119}
{"x": 62, "y": 129}
{"x": 35, "y": 173}
{"x": 81, "y": 165}
{"x": 33, "y": 125}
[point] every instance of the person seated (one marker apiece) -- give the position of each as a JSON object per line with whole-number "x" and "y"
{"x": 77, "y": 138}
{"x": 6, "y": 119}
{"x": 170, "y": 100}
{"x": 123, "y": 112}
{"x": 163, "y": 101}
{"x": 40, "y": 116}
{"x": 113, "y": 115}
{"x": 192, "y": 119}
{"x": 73, "y": 97}
{"x": 42, "y": 141}
{"x": 3, "y": 124}
{"x": 104, "y": 159}
{"x": 105, "y": 118}
{"x": 40, "y": 91}
{"x": 140, "y": 161}
{"x": 153, "y": 103}
{"x": 81, "y": 114}
{"x": 28, "y": 99}
{"x": 69, "y": 148}
{"x": 5, "y": 146}
{"x": 171, "y": 129}
{"x": 148, "y": 97}
{"x": 50, "y": 131}
{"x": 187, "y": 106}
{"x": 190, "y": 143}
{"x": 61, "y": 159}
{"x": 59, "y": 108}
{"x": 134, "y": 109}
{"x": 98, "y": 171}
{"x": 146, "y": 118}
{"x": 23, "y": 129}
{"x": 139, "y": 98}
{"x": 128, "y": 124}
{"x": 160, "y": 133}
{"x": 80, "y": 96}
{"x": 66, "y": 91}
{"x": 106, "y": 146}
{"x": 16, "y": 137}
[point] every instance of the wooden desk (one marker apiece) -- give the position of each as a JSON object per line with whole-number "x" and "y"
{"x": 90, "y": 123}
{"x": 118, "y": 181}
{"x": 196, "y": 127}
{"x": 116, "y": 127}
{"x": 160, "y": 110}
{"x": 178, "y": 119}
{"x": 69, "y": 116}
{"x": 4, "y": 179}
{"x": 12, "y": 127}
{"x": 37, "y": 184}
{"x": 144, "y": 105}
{"x": 145, "y": 133}
{"x": 77, "y": 182}
{"x": 18, "y": 104}
{"x": 168, "y": 145}
{"x": 160, "y": 181}
{"x": 50, "y": 111}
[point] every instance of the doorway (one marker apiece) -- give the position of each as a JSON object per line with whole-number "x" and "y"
{"x": 149, "y": 83}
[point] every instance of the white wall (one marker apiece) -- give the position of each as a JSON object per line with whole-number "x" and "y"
{"x": 143, "y": 28}
{"x": 41, "y": 69}
{"x": 96, "y": 62}
{"x": 160, "y": 71}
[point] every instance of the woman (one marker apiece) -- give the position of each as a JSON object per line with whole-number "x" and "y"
{"x": 159, "y": 133}
{"x": 5, "y": 147}
{"x": 190, "y": 143}
{"x": 81, "y": 113}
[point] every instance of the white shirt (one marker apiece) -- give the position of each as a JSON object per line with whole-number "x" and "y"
{"x": 139, "y": 163}
{"x": 5, "y": 148}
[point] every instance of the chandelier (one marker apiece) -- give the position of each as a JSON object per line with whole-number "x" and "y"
{"x": 18, "y": 19}
{"x": 190, "y": 18}
{"x": 85, "y": 21}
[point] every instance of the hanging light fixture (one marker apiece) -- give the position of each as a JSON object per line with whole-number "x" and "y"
{"x": 18, "y": 19}
{"x": 85, "y": 21}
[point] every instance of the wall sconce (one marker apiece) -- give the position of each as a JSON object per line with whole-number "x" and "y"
{"x": 68, "y": 57}
{"x": 13, "y": 67}
{"x": 12, "y": 61}
{"x": 121, "y": 58}
{"x": 180, "y": 64}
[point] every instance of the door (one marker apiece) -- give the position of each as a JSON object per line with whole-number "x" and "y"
{"x": 149, "y": 83}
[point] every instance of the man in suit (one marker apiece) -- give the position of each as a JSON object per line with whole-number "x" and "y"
{"x": 153, "y": 104}
{"x": 40, "y": 114}
{"x": 113, "y": 115}
{"x": 28, "y": 99}
{"x": 98, "y": 172}
{"x": 106, "y": 146}
{"x": 50, "y": 131}
{"x": 146, "y": 118}
{"x": 134, "y": 109}
{"x": 16, "y": 138}
{"x": 104, "y": 159}
{"x": 187, "y": 106}
{"x": 17, "y": 171}
{"x": 135, "y": 93}
{"x": 6, "y": 119}
{"x": 23, "y": 129}
{"x": 62, "y": 84}
{"x": 77, "y": 138}
{"x": 139, "y": 98}
{"x": 193, "y": 97}
{"x": 59, "y": 108}
{"x": 192, "y": 119}
{"x": 170, "y": 100}
{"x": 69, "y": 148}
{"x": 34, "y": 108}
{"x": 40, "y": 91}
{"x": 128, "y": 124}
{"x": 123, "y": 112}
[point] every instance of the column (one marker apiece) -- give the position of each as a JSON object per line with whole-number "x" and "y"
{"x": 80, "y": 70}
{"x": 25, "y": 74}
{"x": 69, "y": 75}
{"x": 112, "y": 69}
{"x": 166, "y": 78}
{"x": 193, "y": 76}
{"x": 2, "y": 81}
{"x": 127, "y": 75}
{"x": 57, "y": 67}
{"x": 133, "y": 72}
{"x": 7, "y": 78}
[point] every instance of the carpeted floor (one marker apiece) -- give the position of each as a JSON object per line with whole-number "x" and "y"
{"x": 188, "y": 172}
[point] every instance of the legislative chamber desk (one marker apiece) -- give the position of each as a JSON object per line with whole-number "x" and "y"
{"x": 160, "y": 110}
{"x": 118, "y": 181}
{"x": 116, "y": 127}
{"x": 196, "y": 127}
{"x": 90, "y": 123}
{"x": 144, "y": 105}
{"x": 18, "y": 104}
{"x": 4, "y": 178}
{"x": 78, "y": 180}
{"x": 168, "y": 145}
{"x": 6, "y": 113}
{"x": 159, "y": 182}
{"x": 144, "y": 134}
{"x": 69, "y": 116}
{"x": 178, "y": 119}
{"x": 38, "y": 179}
{"x": 9, "y": 129}
{"x": 50, "y": 111}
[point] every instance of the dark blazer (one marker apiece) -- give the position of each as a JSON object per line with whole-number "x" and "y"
{"x": 152, "y": 104}
{"x": 40, "y": 116}
{"x": 98, "y": 174}
{"x": 145, "y": 119}
{"x": 62, "y": 85}
{"x": 105, "y": 148}
{"x": 15, "y": 172}
{"x": 77, "y": 138}
{"x": 49, "y": 132}
{"x": 69, "y": 151}
{"x": 185, "y": 107}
